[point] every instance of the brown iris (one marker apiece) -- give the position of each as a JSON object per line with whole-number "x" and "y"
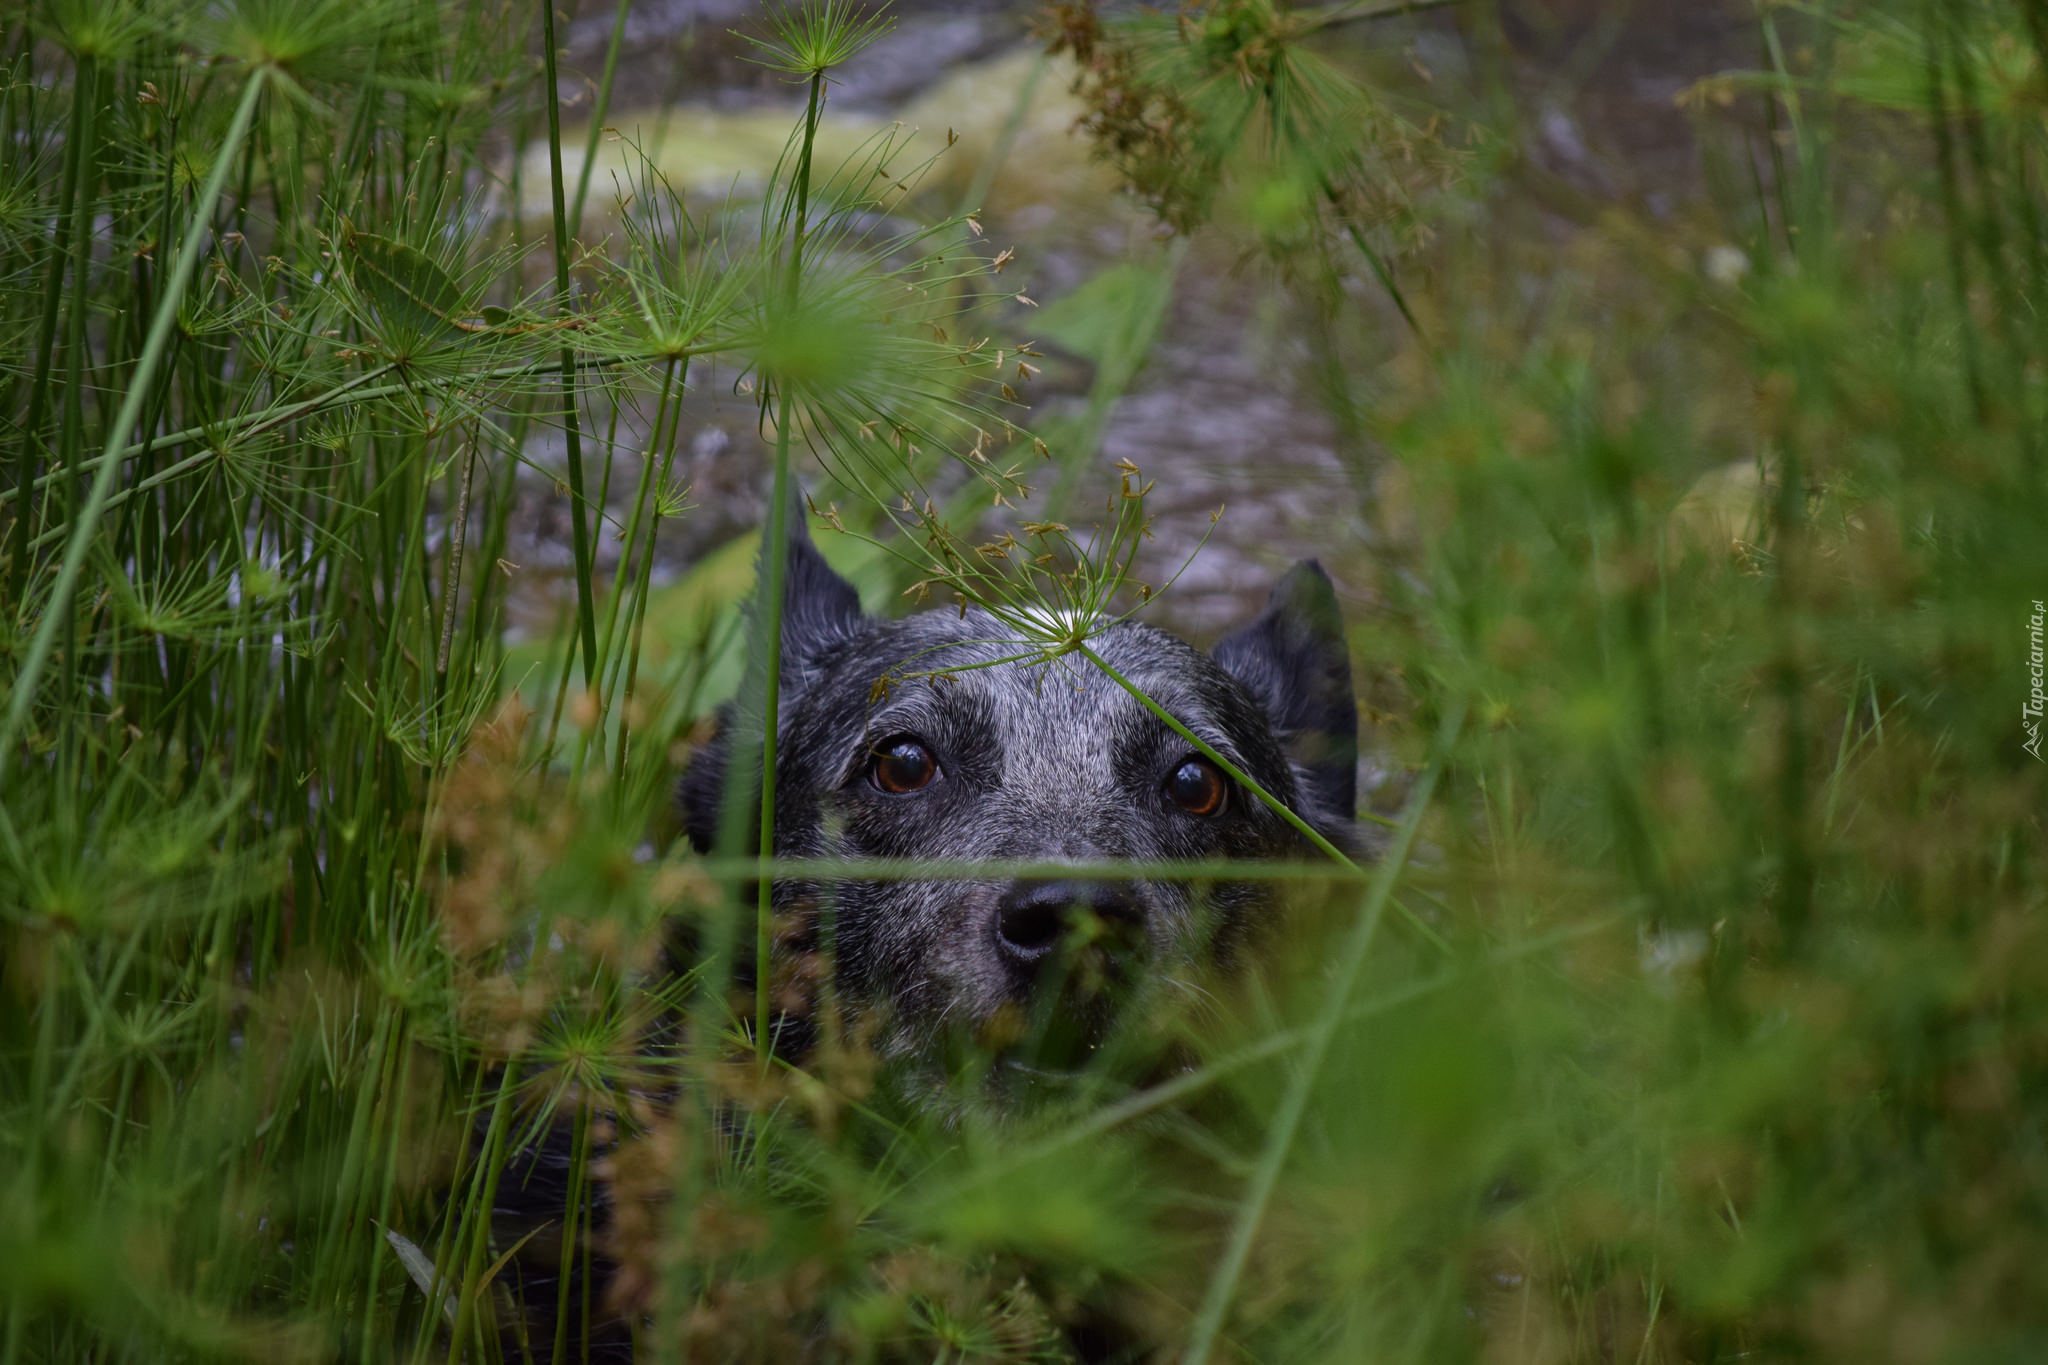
{"x": 902, "y": 765}
{"x": 1196, "y": 787}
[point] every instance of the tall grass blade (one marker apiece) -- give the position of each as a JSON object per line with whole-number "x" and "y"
{"x": 572, "y": 425}
{"x": 1251, "y": 1209}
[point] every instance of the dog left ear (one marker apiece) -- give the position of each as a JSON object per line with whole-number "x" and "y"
{"x": 819, "y": 610}
{"x": 1294, "y": 661}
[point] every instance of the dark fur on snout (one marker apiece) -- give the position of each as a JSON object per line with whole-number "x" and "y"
{"x": 1036, "y": 762}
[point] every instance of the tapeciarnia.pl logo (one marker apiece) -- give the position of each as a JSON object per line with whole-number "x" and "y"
{"x": 2030, "y": 710}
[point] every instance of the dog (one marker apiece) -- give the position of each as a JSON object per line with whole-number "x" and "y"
{"x": 928, "y": 739}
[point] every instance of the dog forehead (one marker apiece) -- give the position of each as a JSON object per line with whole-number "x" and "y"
{"x": 971, "y": 665}
{"x": 976, "y": 636}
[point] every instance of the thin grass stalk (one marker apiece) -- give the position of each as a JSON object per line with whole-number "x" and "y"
{"x": 597, "y": 113}
{"x": 451, "y": 585}
{"x": 976, "y": 194}
{"x": 1279, "y": 807}
{"x": 333, "y": 1255}
{"x": 604, "y": 478}
{"x": 1101, "y": 1122}
{"x": 813, "y": 106}
{"x": 680, "y": 372}
{"x": 610, "y": 651}
{"x": 572, "y": 432}
{"x": 374, "y": 1245}
{"x": 633, "y": 638}
{"x": 56, "y": 609}
{"x": 775, "y": 552}
{"x": 1294, "y": 1102}
{"x": 1987, "y": 223}
{"x": 567, "y": 663}
{"x": 579, "y": 1163}
{"x": 1774, "y": 144}
{"x": 686, "y": 1183}
{"x": 1372, "y": 258}
{"x": 630, "y": 538}
{"x": 477, "y": 1212}
{"x": 467, "y": 1154}
{"x": 589, "y": 1207}
{"x": 979, "y": 869}
{"x": 1788, "y": 672}
{"x": 478, "y": 631}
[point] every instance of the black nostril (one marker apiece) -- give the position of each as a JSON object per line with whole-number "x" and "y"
{"x": 1034, "y": 914}
{"x": 1114, "y": 905}
{"x": 1032, "y": 917}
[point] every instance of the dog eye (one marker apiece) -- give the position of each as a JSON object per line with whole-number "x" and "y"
{"x": 901, "y": 765}
{"x": 1196, "y": 787}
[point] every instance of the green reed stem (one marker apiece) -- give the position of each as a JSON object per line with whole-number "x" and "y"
{"x": 667, "y": 448}
{"x": 629, "y": 539}
{"x": 1294, "y": 1102}
{"x": 1010, "y": 869}
{"x": 1303, "y": 827}
{"x": 572, "y": 431}
{"x": 483, "y": 1198}
{"x": 1306, "y": 830}
{"x": 597, "y": 113}
{"x": 56, "y": 610}
{"x": 776, "y": 552}
{"x": 578, "y": 1165}
{"x": 451, "y": 577}
{"x": 1372, "y": 258}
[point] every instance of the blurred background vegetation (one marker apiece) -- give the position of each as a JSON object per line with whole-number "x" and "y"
{"x": 386, "y": 445}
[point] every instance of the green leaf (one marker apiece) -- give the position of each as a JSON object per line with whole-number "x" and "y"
{"x": 420, "y": 1268}
{"x": 1100, "y": 318}
{"x": 412, "y": 294}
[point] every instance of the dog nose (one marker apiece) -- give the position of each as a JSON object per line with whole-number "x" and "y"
{"x": 1033, "y": 915}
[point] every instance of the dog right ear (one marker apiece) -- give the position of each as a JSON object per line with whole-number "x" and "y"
{"x": 819, "y": 609}
{"x": 1294, "y": 661}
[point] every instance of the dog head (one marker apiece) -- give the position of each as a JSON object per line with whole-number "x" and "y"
{"x": 970, "y": 760}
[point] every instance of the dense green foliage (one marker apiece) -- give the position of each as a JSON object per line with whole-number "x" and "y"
{"x": 1705, "y": 1017}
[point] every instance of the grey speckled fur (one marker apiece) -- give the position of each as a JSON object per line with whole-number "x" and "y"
{"x": 1036, "y": 762}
